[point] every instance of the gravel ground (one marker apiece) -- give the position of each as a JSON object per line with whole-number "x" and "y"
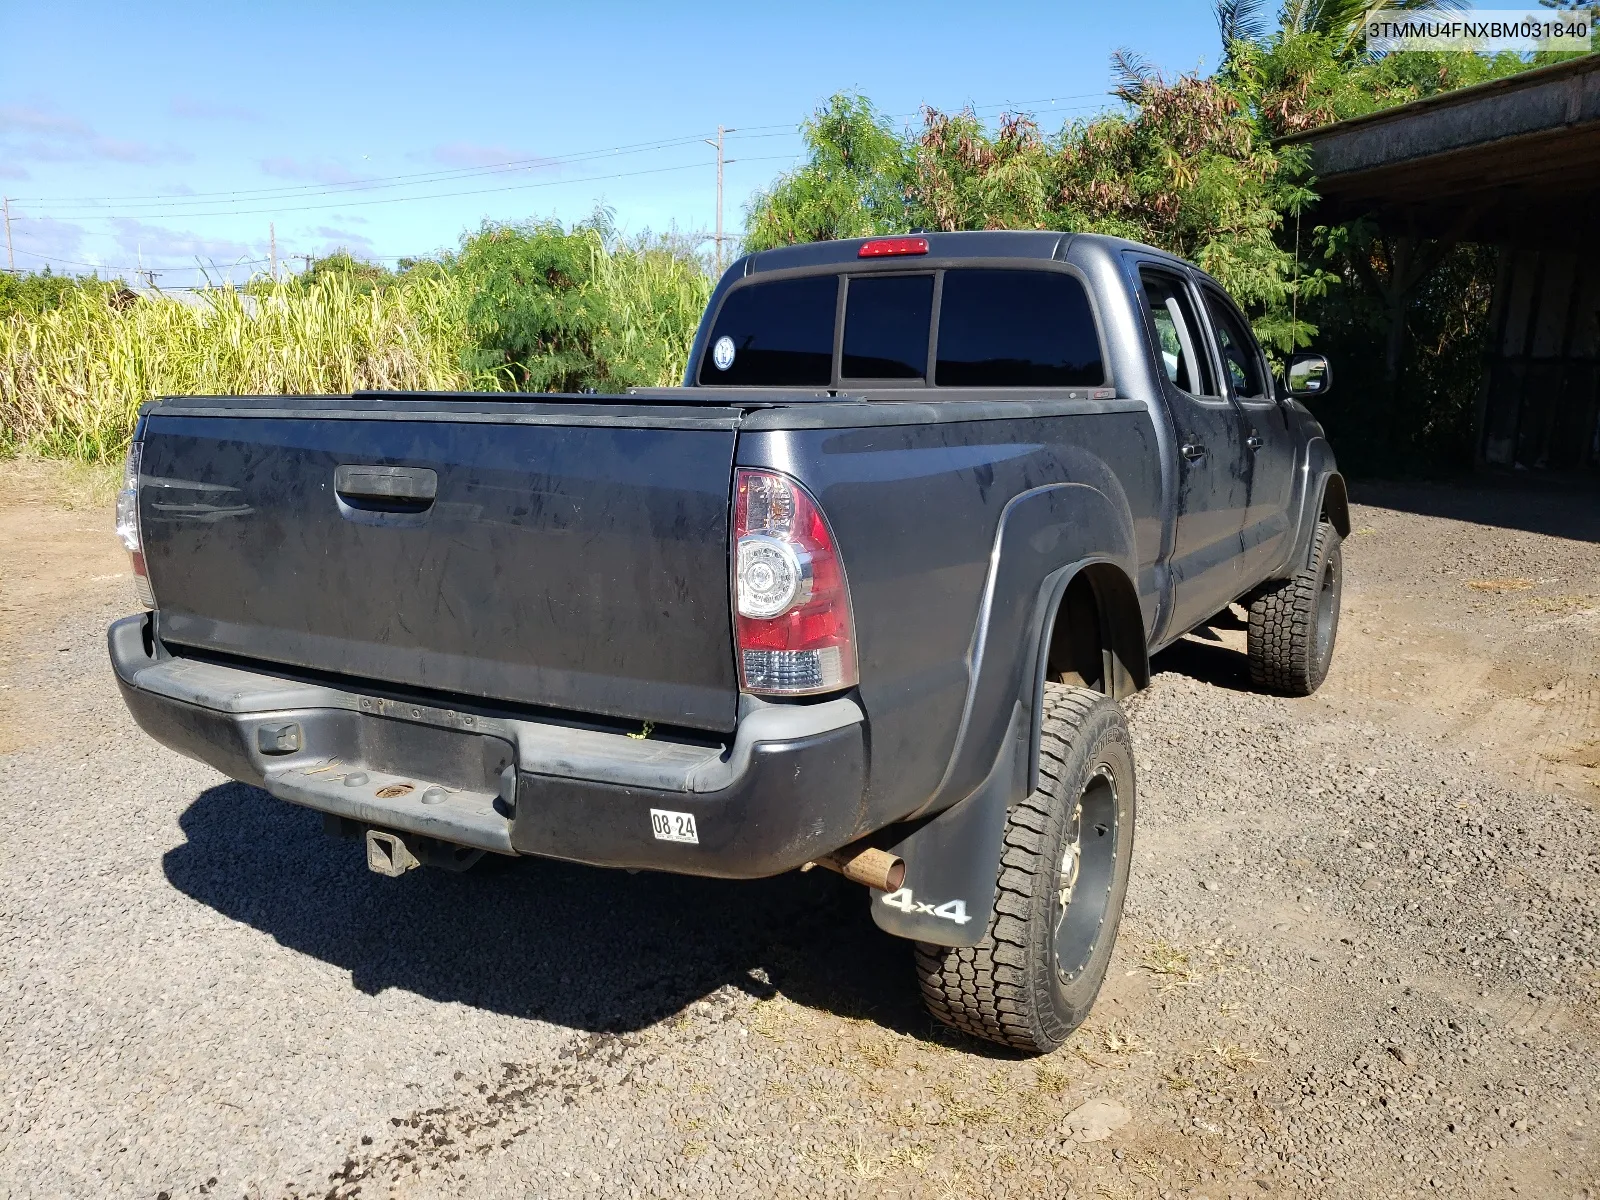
{"x": 1361, "y": 958}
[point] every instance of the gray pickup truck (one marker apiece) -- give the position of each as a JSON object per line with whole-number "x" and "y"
{"x": 864, "y": 593}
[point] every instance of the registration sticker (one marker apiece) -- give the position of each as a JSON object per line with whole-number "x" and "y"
{"x": 673, "y": 826}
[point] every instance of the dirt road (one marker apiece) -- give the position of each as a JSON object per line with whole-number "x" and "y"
{"x": 1362, "y": 955}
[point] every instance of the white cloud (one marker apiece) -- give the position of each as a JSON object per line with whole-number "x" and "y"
{"x": 333, "y": 238}
{"x": 43, "y": 135}
{"x": 21, "y": 118}
{"x": 323, "y": 170}
{"x": 42, "y": 239}
{"x": 207, "y": 110}
{"x": 157, "y": 245}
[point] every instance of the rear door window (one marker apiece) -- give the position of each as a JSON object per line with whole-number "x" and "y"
{"x": 1241, "y": 357}
{"x": 1177, "y": 330}
{"x": 777, "y": 334}
{"x": 886, "y": 323}
{"x": 1016, "y": 328}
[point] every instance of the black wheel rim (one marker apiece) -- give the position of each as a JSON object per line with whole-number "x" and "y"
{"x": 1086, "y": 873}
{"x": 1327, "y": 610}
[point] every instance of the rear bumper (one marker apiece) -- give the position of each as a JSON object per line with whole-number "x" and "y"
{"x": 789, "y": 787}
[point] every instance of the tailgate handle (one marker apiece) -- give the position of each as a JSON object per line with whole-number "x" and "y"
{"x": 392, "y": 489}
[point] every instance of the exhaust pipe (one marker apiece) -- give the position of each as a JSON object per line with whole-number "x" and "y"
{"x": 875, "y": 868}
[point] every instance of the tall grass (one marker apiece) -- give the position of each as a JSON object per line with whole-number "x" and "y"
{"x": 72, "y": 377}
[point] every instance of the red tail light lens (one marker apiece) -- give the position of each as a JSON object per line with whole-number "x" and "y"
{"x": 128, "y": 523}
{"x": 885, "y": 247}
{"x": 791, "y": 618}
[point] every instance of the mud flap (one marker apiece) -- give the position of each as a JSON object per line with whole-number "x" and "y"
{"x": 953, "y": 858}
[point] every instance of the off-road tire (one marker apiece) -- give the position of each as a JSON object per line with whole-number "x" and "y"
{"x": 1011, "y": 987}
{"x": 1294, "y": 623}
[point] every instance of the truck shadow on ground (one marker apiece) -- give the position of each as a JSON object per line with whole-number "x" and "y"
{"x": 590, "y": 949}
{"x": 1203, "y": 655}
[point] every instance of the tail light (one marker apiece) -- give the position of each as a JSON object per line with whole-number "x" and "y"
{"x": 128, "y": 524}
{"x": 791, "y": 602}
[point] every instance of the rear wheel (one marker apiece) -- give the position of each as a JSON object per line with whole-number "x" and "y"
{"x": 1294, "y": 623}
{"x": 1063, "y": 876}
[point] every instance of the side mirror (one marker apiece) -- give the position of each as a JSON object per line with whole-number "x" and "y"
{"x": 1309, "y": 375}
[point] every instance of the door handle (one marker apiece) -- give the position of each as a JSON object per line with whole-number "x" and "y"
{"x": 1192, "y": 450}
{"x": 1253, "y": 442}
{"x": 386, "y": 489}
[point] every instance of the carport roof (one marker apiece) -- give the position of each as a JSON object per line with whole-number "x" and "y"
{"x": 1516, "y": 159}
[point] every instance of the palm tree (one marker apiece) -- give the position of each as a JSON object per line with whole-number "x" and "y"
{"x": 1245, "y": 20}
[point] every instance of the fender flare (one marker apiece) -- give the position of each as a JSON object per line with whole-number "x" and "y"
{"x": 1042, "y": 533}
{"x": 1335, "y": 501}
{"x": 954, "y": 856}
{"x": 1323, "y": 487}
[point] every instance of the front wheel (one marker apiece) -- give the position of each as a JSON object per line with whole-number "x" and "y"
{"x": 1294, "y": 623}
{"x": 1064, "y": 871}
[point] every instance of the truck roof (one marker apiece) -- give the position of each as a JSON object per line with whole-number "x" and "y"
{"x": 976, "y": 244}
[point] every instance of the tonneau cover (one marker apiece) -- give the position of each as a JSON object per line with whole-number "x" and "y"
{"x": 565, "y": 554}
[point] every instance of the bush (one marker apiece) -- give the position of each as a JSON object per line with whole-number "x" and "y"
{"x": 521, "y": 307}
{"x": 552, "y": 310}
{"x": 30, "y": 295}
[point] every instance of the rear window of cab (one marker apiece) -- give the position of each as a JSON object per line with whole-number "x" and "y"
{"x": 969, "y": 326}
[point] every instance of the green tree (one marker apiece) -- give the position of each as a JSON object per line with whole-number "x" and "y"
{"x": 852, "y": 185}
{"x": 1180, "y": 168}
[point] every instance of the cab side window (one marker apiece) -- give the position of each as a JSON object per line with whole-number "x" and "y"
{"x": 1241, "y": 358}
{"x": 1177, "y": 330}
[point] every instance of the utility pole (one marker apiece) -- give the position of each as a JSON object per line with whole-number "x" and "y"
{"x": 720, "y": 162}
{"x": 11, "y": 259}
{"x": 149, "y": 276}
{"x": 272, "y": 254}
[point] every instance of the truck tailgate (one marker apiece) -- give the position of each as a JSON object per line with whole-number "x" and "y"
{"x": 574, "y": 559}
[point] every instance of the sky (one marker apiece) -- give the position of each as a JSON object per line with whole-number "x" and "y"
{"x": 183, "y": 138}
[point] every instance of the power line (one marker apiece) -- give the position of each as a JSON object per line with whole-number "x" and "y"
{"x": 49, "y": 259}
{"x": 331, "y": 187}
{"x": 95, "y": 214}
{"x": 326, "y": 188}
{"x": 261, "y": 195}
{"x": 136, "y": 270}
{"x": 256, "y": 195}
{"x": 516, "y": 187}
